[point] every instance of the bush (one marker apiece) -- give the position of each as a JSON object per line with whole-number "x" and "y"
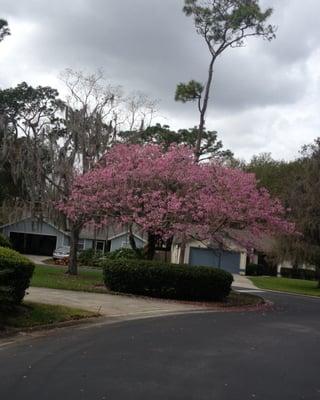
{"x": 15, "y": 275}
{"x": 286, "y": 272}
{"x": 254, "y": 270}
{"x": 90, "y": 257}
{"x": 299, "y": 273}
{"x": 127, "y": 254}
{"x": 310, "y": 275}
{"x": 93, "y": 258}
{"x": 170, "y": 281}
{"x": 261, "y": 270}
{"x": 4, "y": 241}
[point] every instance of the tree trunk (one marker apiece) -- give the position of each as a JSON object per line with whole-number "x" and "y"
{"x": 133, "y": 243}
{"x": 203, "y": 109}
{"x": 182, "y": 252}
{"x": 74, "y": 240}
{"x": 151, "y": 248}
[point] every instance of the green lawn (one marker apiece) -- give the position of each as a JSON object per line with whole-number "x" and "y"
{"x": 30, "y": 315}
{"x": 287, "y": 285}
{"x": 54, "y": 277}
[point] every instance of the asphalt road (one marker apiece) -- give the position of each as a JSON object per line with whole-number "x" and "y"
{"x": 217, "y": 356}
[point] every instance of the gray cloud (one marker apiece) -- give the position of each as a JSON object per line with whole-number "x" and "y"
{"x": 150, "y": 45}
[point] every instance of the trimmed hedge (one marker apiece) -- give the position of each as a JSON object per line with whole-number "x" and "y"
{"x": 294, "y": 273}
{"x": 261, "y": 270}
{"x": 15, "y": 275}
{"x": 5, "y": 242}
{"x": 170, "y": 281}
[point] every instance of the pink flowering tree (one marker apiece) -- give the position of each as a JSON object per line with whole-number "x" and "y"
{"x": 169, "y": 194}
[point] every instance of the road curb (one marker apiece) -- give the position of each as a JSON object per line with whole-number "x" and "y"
{"x": 12, "y": 332}
{"x": 15, "y": 335}
{"x": 291, "y": 294}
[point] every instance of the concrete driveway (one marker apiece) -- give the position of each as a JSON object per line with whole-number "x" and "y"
{"x": 36, "y": 259}
{"x": 242, "y": 282}
{"x": 270, "y": 355}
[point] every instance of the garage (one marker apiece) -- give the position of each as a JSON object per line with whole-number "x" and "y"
{"x": 28, "y": 243}
{"x": 226, "y": 260}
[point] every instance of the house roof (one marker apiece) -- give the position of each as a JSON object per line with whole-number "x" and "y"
{"x": 30, "y": 218}
{"x": 125, "y": 233}
{"x": 13, "y": 223}
{"x": 89, "y": 232}
{"x": 263, "y": 244}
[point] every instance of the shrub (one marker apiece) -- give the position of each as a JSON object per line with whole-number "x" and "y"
{"x": 171, "y": 281}
{"x": 271, "y": 270}
{"x": 4, "y": 241}
{"x": 261, "y": 270}
{"x": 15, "y": 275}
{"x": 254, "y": 270}
{"x": 310, "y": 275}
{"x": 299, "y": 273}
{"x": 286, "y": 272}
{"x": 93, "y": 258}
{"x": 90, "y": 257}
{"x": 128, "y": 254}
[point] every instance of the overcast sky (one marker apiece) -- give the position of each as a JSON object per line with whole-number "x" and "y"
{"x": 266, "y": 96}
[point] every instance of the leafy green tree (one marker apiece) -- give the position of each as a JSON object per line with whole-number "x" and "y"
{"x": 297, "y": 184}
{"x": 305, "y": 205}
{"x": 4, "y": 29}
{"x": 30, "y": 122}
{"x": 8, "y": 188}
{"x": 190, "y": 91}
{"x": 164, "y": 136}
{"x": 223, "y": 24}
{"x": 277, "y": 176}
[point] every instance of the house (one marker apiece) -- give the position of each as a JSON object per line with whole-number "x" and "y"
{"x": 288, "y": 265}
{"x": 32, "y": 236}
{"x": 121, "y": 240}
{"x": 233, "y": 260}
{"x": 42, "y": 237}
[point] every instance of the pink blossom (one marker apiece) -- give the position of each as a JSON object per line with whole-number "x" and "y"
{"x": 168, "y": 193}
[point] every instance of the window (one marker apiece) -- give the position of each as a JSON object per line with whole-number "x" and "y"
{"x": 100, "y": 245}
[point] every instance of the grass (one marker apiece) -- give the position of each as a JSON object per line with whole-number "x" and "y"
{"x": 287, "y": 285}
{"x": 30, "y": 315}
{"x": 91, "y": 280}
{"x": 54, "y": 277}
